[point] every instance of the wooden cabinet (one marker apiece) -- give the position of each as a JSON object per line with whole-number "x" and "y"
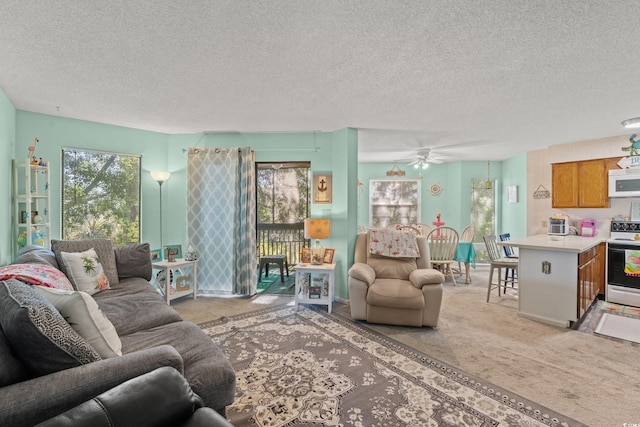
{"x": 581, "y": 184}
{"x": 564, "y": 185}
{"x": 590, "y": 277}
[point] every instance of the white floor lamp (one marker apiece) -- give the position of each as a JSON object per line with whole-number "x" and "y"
{"x": 160, "y": 177}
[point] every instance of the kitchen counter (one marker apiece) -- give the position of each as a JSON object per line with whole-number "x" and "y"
{"x": 548, "y": 269}
{"x": 575, "y": 244}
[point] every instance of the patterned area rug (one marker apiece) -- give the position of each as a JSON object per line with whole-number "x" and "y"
{"x": 313, "y": 368}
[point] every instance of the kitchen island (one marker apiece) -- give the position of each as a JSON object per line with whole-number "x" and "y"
{"x": 558, "y": 276}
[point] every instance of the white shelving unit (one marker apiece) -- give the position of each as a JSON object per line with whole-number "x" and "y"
{"x": 31, "y": 205}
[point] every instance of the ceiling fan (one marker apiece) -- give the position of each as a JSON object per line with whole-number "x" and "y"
{"x": 422, "y": 159}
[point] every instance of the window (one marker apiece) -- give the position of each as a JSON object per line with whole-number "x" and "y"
{"x": 282, "y": 192}
{"x": 100, "y": 196}
{"x": 483, "y": 214}
{"x": 394, "y": 201}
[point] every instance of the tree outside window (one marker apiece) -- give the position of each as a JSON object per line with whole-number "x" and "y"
{"x": 100, "y": 196}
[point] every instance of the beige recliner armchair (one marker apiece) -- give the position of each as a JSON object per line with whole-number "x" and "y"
{"x": 394, "y": 291}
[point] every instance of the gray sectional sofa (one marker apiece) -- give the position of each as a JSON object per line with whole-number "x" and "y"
{"x": 38, "y": 382}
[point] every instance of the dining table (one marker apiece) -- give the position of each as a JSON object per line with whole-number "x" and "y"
{"x": 466, "y": 253}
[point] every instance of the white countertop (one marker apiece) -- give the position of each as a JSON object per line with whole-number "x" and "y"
{"x": 555, "y": 243}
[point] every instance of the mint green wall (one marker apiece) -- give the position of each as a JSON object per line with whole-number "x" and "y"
{"x": 514, "y": 215}
{"x": 7, "y": 149}
{"x": 56, "y": 133}
{"x": 453, "y": 203}
{"x": 331, "y": 152}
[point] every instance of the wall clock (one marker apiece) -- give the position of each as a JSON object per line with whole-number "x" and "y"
{"x": 435, "y": 189}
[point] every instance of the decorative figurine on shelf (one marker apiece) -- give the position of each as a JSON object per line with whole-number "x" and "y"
{"x": 34, "y": 161}
{"x": 37, "y": 238}
{"x": 42, "y": 162}
{"x": 32, "y": 150}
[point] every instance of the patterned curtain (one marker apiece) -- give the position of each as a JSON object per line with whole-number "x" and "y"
{"x": 221, "y": 219}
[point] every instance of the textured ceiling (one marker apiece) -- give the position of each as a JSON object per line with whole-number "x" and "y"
{"x": 472, "y": 80}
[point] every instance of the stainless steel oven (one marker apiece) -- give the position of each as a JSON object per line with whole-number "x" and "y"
{"x": 623, "y": 263}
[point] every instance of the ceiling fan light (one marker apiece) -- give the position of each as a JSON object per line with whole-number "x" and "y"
{"x": 632, "y": 123}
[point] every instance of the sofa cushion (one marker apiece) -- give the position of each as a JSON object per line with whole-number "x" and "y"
{"x": 36, "y": 274}
{"x": 38, "y": 334}
{"x": 11, "y": 369}
{"x": 103, "y": 248}
{"x": 135, "y": 305}
{"x": 34, "y": 254}
{"x": 85, "y": 317}
{"x": 133, "y": 261}
{"x": 85, "y": 271}
{"x": 207, "y": 369}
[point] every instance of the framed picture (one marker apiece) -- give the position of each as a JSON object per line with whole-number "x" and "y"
{"x": 322, "y": 188}
{"x": 172, "y": 252}
{"x": 328, "y": 255}
{"x": 156, "y": 255}
{"x": 305, "y": 255}
{"x": 512, "y": 194}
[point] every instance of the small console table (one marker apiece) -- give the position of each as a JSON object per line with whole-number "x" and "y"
{"x": 314, "y": 284}
{"x": 176, "y": 279}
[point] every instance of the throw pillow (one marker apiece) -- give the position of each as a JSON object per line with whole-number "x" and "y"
{"x": 36, "y": 274}
{"x": 34, "y": 254}
{"x": 103, "y": 248}
{"x": 85, "y": 271}
{"x": 38, "y": 334}
{"x": 83, "y": 314}
{"x": 133, "y": 261}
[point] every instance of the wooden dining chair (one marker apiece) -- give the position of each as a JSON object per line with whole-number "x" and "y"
{"x": 443, "y": 242}
{"x": 425, "y": 229}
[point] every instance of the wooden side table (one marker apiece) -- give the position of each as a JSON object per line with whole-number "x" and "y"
{"x": 180, "y": 278}
{"x": 314, "y": 284}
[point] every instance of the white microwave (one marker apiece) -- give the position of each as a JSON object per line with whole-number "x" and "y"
{"x": 624, "y": 182}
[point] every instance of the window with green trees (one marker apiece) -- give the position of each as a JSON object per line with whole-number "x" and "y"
{"x": 100, "y": 196}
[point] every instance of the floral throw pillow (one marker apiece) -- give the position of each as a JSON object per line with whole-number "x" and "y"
{"x": 85, "y": 271}
{"x": 36, "y": 274}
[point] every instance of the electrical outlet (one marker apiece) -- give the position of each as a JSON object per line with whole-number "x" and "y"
{"x": 544, "y": 224}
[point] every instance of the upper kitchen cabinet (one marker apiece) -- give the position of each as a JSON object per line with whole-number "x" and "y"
{"x": 581, "y": 184}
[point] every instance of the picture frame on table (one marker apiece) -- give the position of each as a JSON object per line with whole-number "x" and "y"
{"x": 305, "y": 255}
{"x": 328, "y": 255}
{"x": 172, "y": 252}
{"x": 156, "y": 255}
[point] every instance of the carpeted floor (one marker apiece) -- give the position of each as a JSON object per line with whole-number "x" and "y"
{"x": 590, "y": 378}
{"x": 312, "y": 367}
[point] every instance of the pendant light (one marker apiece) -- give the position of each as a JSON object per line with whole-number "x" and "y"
{"x": 488, "y": 185}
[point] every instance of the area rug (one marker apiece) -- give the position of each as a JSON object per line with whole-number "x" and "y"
{"x": 622, "y": 327}
{"x": 271, "y": 284}
{"x": 309, "y": 367}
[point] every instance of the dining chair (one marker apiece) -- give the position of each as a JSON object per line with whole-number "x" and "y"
{"x": 443, "y": 242}
{"x": 467, "y": 235}
{"x": 498, "y": 262}
{"x": 425, "y": 229}
{"x": 509, "y": 253}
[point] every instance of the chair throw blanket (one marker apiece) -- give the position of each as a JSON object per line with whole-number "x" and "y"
{"x": 393, "y": 243}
